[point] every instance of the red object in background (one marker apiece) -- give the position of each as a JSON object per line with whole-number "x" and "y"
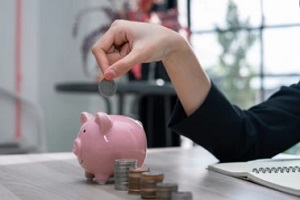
{"x": 145, "y": 6}
{"x": 143, "y": 15}
{"x": 168, "y": 18}
{"x": 18, "y": 57}
{"x": 137, "y": 71}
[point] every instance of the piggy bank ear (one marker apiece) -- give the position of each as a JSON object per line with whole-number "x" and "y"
{"x": 104, "y": 122}
{"x": 85, "y": 116}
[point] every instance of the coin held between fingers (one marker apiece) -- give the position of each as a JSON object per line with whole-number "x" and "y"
{"x": 107, "y": 88}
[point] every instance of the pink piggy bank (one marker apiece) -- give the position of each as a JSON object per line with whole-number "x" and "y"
{"x": 104, "y": 138}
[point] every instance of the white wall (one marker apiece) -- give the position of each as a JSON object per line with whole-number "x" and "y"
{"x": 49, "y": 56}
{"x": 7, "y": 26}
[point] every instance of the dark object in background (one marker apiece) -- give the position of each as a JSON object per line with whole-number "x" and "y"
{"x": 152, "y": 112}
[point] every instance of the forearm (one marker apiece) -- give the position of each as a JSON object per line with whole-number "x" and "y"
{"x": 189, "y": 79}
{"x": 232, "y": 134}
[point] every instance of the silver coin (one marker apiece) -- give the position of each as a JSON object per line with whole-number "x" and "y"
{"x": 121, "y": 170}
{"x": 107, "y": 88}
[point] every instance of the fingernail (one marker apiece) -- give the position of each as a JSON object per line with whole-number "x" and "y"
{"x": 110, "y": 74}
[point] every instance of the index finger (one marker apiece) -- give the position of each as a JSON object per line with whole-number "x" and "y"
{"x": 101, "y": 48}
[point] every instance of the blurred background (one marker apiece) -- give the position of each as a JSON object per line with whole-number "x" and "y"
{"x": 249, "y": 48}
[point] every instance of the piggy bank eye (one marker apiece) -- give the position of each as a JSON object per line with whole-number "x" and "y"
{"x": 84, "y": 130}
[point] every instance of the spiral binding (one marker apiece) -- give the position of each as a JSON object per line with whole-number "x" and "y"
{"x": 276, "y": 169}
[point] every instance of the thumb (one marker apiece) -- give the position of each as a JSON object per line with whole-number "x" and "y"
{"x": 122, "y": 66}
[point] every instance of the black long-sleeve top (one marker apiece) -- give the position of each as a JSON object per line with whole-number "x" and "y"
{"x": 233, "y": 134}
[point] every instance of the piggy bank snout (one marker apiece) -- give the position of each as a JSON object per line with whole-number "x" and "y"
{"x": 77, "y": 147}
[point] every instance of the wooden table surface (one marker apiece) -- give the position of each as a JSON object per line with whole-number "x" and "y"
{"x": 58, "y": 176}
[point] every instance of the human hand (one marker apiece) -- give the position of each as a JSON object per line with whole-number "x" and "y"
{"x": 127, "y": 43}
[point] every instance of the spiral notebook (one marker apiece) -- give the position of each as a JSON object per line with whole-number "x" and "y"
{"x": 279, "y": 174}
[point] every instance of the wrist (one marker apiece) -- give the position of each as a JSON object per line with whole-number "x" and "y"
{"x": 178, "y": 48}
{"x": 178, "y": 51}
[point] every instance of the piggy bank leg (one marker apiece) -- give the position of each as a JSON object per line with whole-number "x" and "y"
{"x": 102, "y": 178}
{"x": 89, "y": 176}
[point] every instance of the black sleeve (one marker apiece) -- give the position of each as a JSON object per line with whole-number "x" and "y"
{"x": 233, "y": 134}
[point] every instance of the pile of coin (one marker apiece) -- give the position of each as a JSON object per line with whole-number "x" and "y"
{"x": 148, "y": 184}
{"x": 164, "y": 190}
{"x": 134, "y": 180}
{"x": 184, "y": 195}
{"x": 122, "y": 167}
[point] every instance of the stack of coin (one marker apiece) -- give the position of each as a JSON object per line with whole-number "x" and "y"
{"x": 164, "y": 190}
{"x": 182, "y": 195}
{"x": 148, "y": 184}
{"x": 134, "y": 180}
{"x": 122, "y": 167}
